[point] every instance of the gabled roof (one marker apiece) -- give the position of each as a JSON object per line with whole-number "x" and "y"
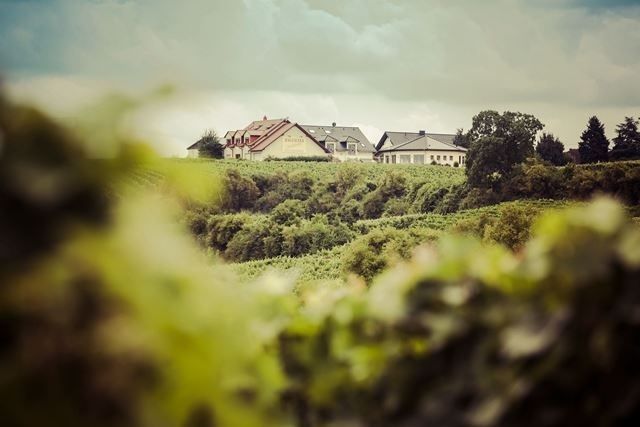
{"x": 434, "y": 142}
{"x": 341, "y": 134}
{"x": 196, "y": 145}
{"x": 276, "y": 132}
{"x": 400, "y": 138}
{"x": 263, "y": 125}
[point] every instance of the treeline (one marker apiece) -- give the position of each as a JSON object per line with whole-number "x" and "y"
{"x": 505, "y": 163}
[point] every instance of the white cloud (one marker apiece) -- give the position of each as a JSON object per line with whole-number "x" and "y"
{"x": 381, "y": 64}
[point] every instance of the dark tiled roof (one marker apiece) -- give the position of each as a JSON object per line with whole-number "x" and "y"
{"x": 341, "y": 134}
{"x": 425, "y": 142}
{"x": 401, "y": 138}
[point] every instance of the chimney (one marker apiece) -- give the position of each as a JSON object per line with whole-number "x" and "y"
{"x": 333, "y": 124}
{"x": 423, "y": 132}
{"x": 264, "y": 118}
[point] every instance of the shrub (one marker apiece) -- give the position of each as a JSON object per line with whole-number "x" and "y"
{"x": 369, "y": 255}
{"x": 221, "y": 229}
{"x": 396, "y": 207}
{"x": 289, "y": 212}
{"x": 240, "y": 192}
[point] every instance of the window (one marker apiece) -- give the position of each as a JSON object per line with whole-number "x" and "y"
{"x": 405, "y": 158}
{"x": 331, "y": 146}
{"x": 312, "y": 131}
{"x": 327, "y": 131}
{"x": 237, "y": 156}
{"x": 432, "y": 157}
{"x": 352, "y": 148}
{"x": 418, "y": 159}
{"x": 393, "y": 159}
{"x": 438, "y": 158}
{"x": 386, "y": 159}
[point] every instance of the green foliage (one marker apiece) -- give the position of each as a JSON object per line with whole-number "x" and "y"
{"x": 221, "y": 229}
{"x": 594, "y": 145}
{"x": 372, "y": 253}
{"x": 461, "y": 139}
{"x": 392, "y": 185}
{"x": 289, "y": 212}
{"x": 498, "y": 142}
{"x": 551, "y": 150}
{"x": 241, "y": 192}
{"x": 209, "y": 146}
{"x": 110, "y": 317}
{"x": 626, "y": 145}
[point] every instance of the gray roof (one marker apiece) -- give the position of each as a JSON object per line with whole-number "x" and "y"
{"x": 416, "y": 141}
{"x": 341, "y": 134}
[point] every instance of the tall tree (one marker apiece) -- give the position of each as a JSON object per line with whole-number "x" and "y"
{"x": 210, "y": 146}
{"x": 626, "y": 145}
{"x": 551, "y": 150}
{"x": 500, "y": 142}
{"x": 489, "y": 165}
{"x": 594, "y": 145}
{"x": 461, "y": 139}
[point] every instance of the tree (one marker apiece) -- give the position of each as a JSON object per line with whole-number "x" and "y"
{"x": 487, "y": 164}
{"x": 551, "y": 150}
{"x": 461, "y": 139}
{"x": 594, "y": 145}
{"x": 209, "y": 145}
{"x": 627, "y": 143}
{"x": 498, "y": 142}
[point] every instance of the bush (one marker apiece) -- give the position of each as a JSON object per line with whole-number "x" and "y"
{"x": 289, "y": 212}
{"x": 396, "y": 207}
{"x": 369, "y": 255}
{"x": 313, "y": 235}
{"x": 221, "y": 229}
{"x": 240, "y": 192}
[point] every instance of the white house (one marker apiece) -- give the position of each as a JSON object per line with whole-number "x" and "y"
{"x": 276, "y": 139}
{"x": 346, "y": 144}
{"x": 420, "y": 148}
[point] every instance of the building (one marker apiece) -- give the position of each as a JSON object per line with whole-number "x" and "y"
{"x": 420, "y": 148}
{"x": 193, "y": 151}
{"x": 346, "y": 144}
{"x": 276, "y": 139}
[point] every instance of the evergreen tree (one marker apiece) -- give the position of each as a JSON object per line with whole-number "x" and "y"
{"x": 594, "y": 145}
{"x": 210, "y": 146}
{"x": 551, "y": 150}
{"x": 627, "y": 143}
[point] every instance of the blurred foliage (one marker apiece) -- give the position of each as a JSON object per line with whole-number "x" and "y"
{"x": 109, "y": 316}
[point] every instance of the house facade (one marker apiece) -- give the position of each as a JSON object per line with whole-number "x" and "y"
{"x": 420, "y": 148}
{"x": 345, "y": 144}
{"x": 277, "y": 139}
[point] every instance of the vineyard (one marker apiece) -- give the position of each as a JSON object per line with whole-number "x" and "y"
{"x": 113, "y": 316}
{"x": 438, "y": 176}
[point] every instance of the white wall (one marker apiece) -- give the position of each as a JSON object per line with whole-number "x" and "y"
{"x": 440, "y": 157}
{"x": 292, "y": 144}
{"x": 193, "y": 153}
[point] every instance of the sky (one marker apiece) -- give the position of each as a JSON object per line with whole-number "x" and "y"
{"x": 400, "y": 65}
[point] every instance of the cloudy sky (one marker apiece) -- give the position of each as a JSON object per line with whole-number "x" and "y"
{"x": 378, "y": 64}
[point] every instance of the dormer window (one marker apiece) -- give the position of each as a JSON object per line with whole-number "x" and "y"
{"x": 331, "y": 146}
{"x": 352, "y": 148}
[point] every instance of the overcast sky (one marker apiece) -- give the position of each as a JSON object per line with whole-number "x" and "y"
{"x": 400, "y": 65}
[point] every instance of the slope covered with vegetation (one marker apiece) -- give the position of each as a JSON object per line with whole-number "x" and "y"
{"x": 110, "y": 316}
